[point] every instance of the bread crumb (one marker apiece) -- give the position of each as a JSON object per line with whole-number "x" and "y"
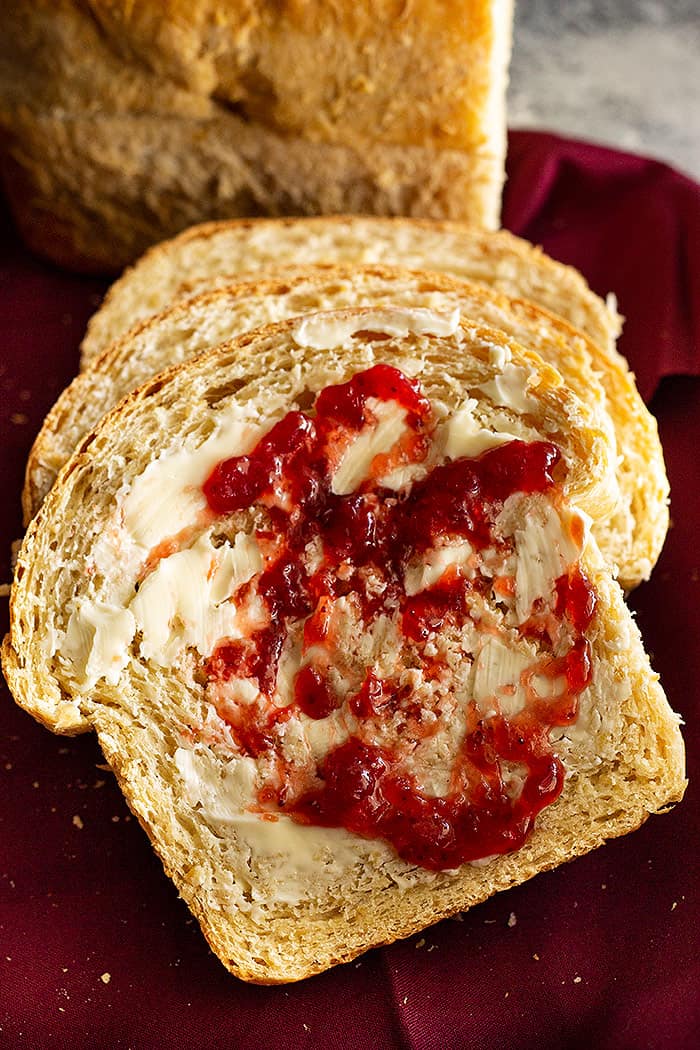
{"x": 674, "y": 905}
{"x": 5, "y": 589}
{"x": 8, "y": 766}
{"x": 420, "y": 943}
{"x": 536, "y": 957}
{"x": 512, "y": 919}
{"x": 77, "y": 823}
{"x": 603, "y": 885}
{"x": 577, "y": 979}
{"x": 61, "y": 1009}
{"x": 19, "y": 418}
{"x": 106, "y": 978}
{"x": 405, "y": 999}
{"x": 115, "y": 820}
{"x": 506, "y": 994}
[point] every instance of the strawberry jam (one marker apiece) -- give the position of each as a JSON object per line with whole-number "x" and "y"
{"x": 364, "y": 542}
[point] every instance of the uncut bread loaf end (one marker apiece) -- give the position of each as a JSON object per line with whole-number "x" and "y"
{"x": 123, "y": 123}
{"x": 329, "y": 598}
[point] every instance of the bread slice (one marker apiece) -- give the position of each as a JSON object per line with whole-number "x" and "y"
{"x": 630, "y": 538}
{"x": 124, "y": 123}
{"x": 121, "y": 621}
{"x": 224, "y": 250}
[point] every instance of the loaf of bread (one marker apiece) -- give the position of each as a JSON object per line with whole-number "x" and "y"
{"x": 630, "y": 537}
{"x": 328, "y": 596}
{"x": 125, "y": 122}
{"x": 221, "y": 251}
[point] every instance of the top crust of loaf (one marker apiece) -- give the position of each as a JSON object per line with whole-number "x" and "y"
{"x": 425, "y": 74}
{"x": 404, "y": 115}
{"x": 226, "y": 249}
{"x": 618, "y": 773}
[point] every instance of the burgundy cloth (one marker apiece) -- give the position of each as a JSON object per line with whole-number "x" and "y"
{"x": 600, "y": 953}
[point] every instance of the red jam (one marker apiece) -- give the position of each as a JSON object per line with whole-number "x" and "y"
{"x": 372, "y": 533}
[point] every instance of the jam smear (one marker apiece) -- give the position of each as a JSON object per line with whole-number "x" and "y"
{"x": 425, "y": 613}
{"x": 365, "y": 791}
{"x": 371, "y": 535}
{"x": 313, "y": 694}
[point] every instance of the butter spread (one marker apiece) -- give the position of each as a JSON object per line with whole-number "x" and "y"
{"x": 372, "y": 441}
{"x": 245, "y": 605}
{"x": 291, "y": 862}
{"x": 167, "y": 496}
{"x": 509, "y": 388}
{"x": 97, "y": 640}
{"x": 463, "y": 436}
{"x": 326, "y": 331}
{"x": 185, "y": 600}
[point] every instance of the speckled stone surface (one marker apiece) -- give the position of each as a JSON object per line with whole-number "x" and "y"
{"x": 624, "y": 73}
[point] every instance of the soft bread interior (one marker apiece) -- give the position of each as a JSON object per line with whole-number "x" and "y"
{"x": 215, "y": 250}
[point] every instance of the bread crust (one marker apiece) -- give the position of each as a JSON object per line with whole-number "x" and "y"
{"x": 226, "y": 249}
{"x": 405, "y": 115}
{"x": 632, "y": 766}
{"x": 631, "y": 539}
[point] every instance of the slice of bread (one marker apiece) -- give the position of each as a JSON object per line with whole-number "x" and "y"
{"x": 124, "y": 123}
{"x": 630, "y": 538}
{"x": 221, "y": 251}
{"x": 143, "y": 588}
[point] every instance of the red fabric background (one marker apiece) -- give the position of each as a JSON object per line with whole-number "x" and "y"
{"x": 601, "y": 953}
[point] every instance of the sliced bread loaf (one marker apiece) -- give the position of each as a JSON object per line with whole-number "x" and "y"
{"x": 328, "y": 596}
{"x": 223, "y": 250}
{"x": 630, "y": 538}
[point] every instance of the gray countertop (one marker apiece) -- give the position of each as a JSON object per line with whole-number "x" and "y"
{"x": 623, "y": 73}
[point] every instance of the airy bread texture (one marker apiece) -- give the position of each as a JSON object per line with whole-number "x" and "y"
{"x": 220, "y": 252}
{"x": 630, "y": 538}
{"x": 277, "y": 900}
{"x": 123, "y": 123}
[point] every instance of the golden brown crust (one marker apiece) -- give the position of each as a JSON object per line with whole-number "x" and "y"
{"x": 404, "y": 115}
